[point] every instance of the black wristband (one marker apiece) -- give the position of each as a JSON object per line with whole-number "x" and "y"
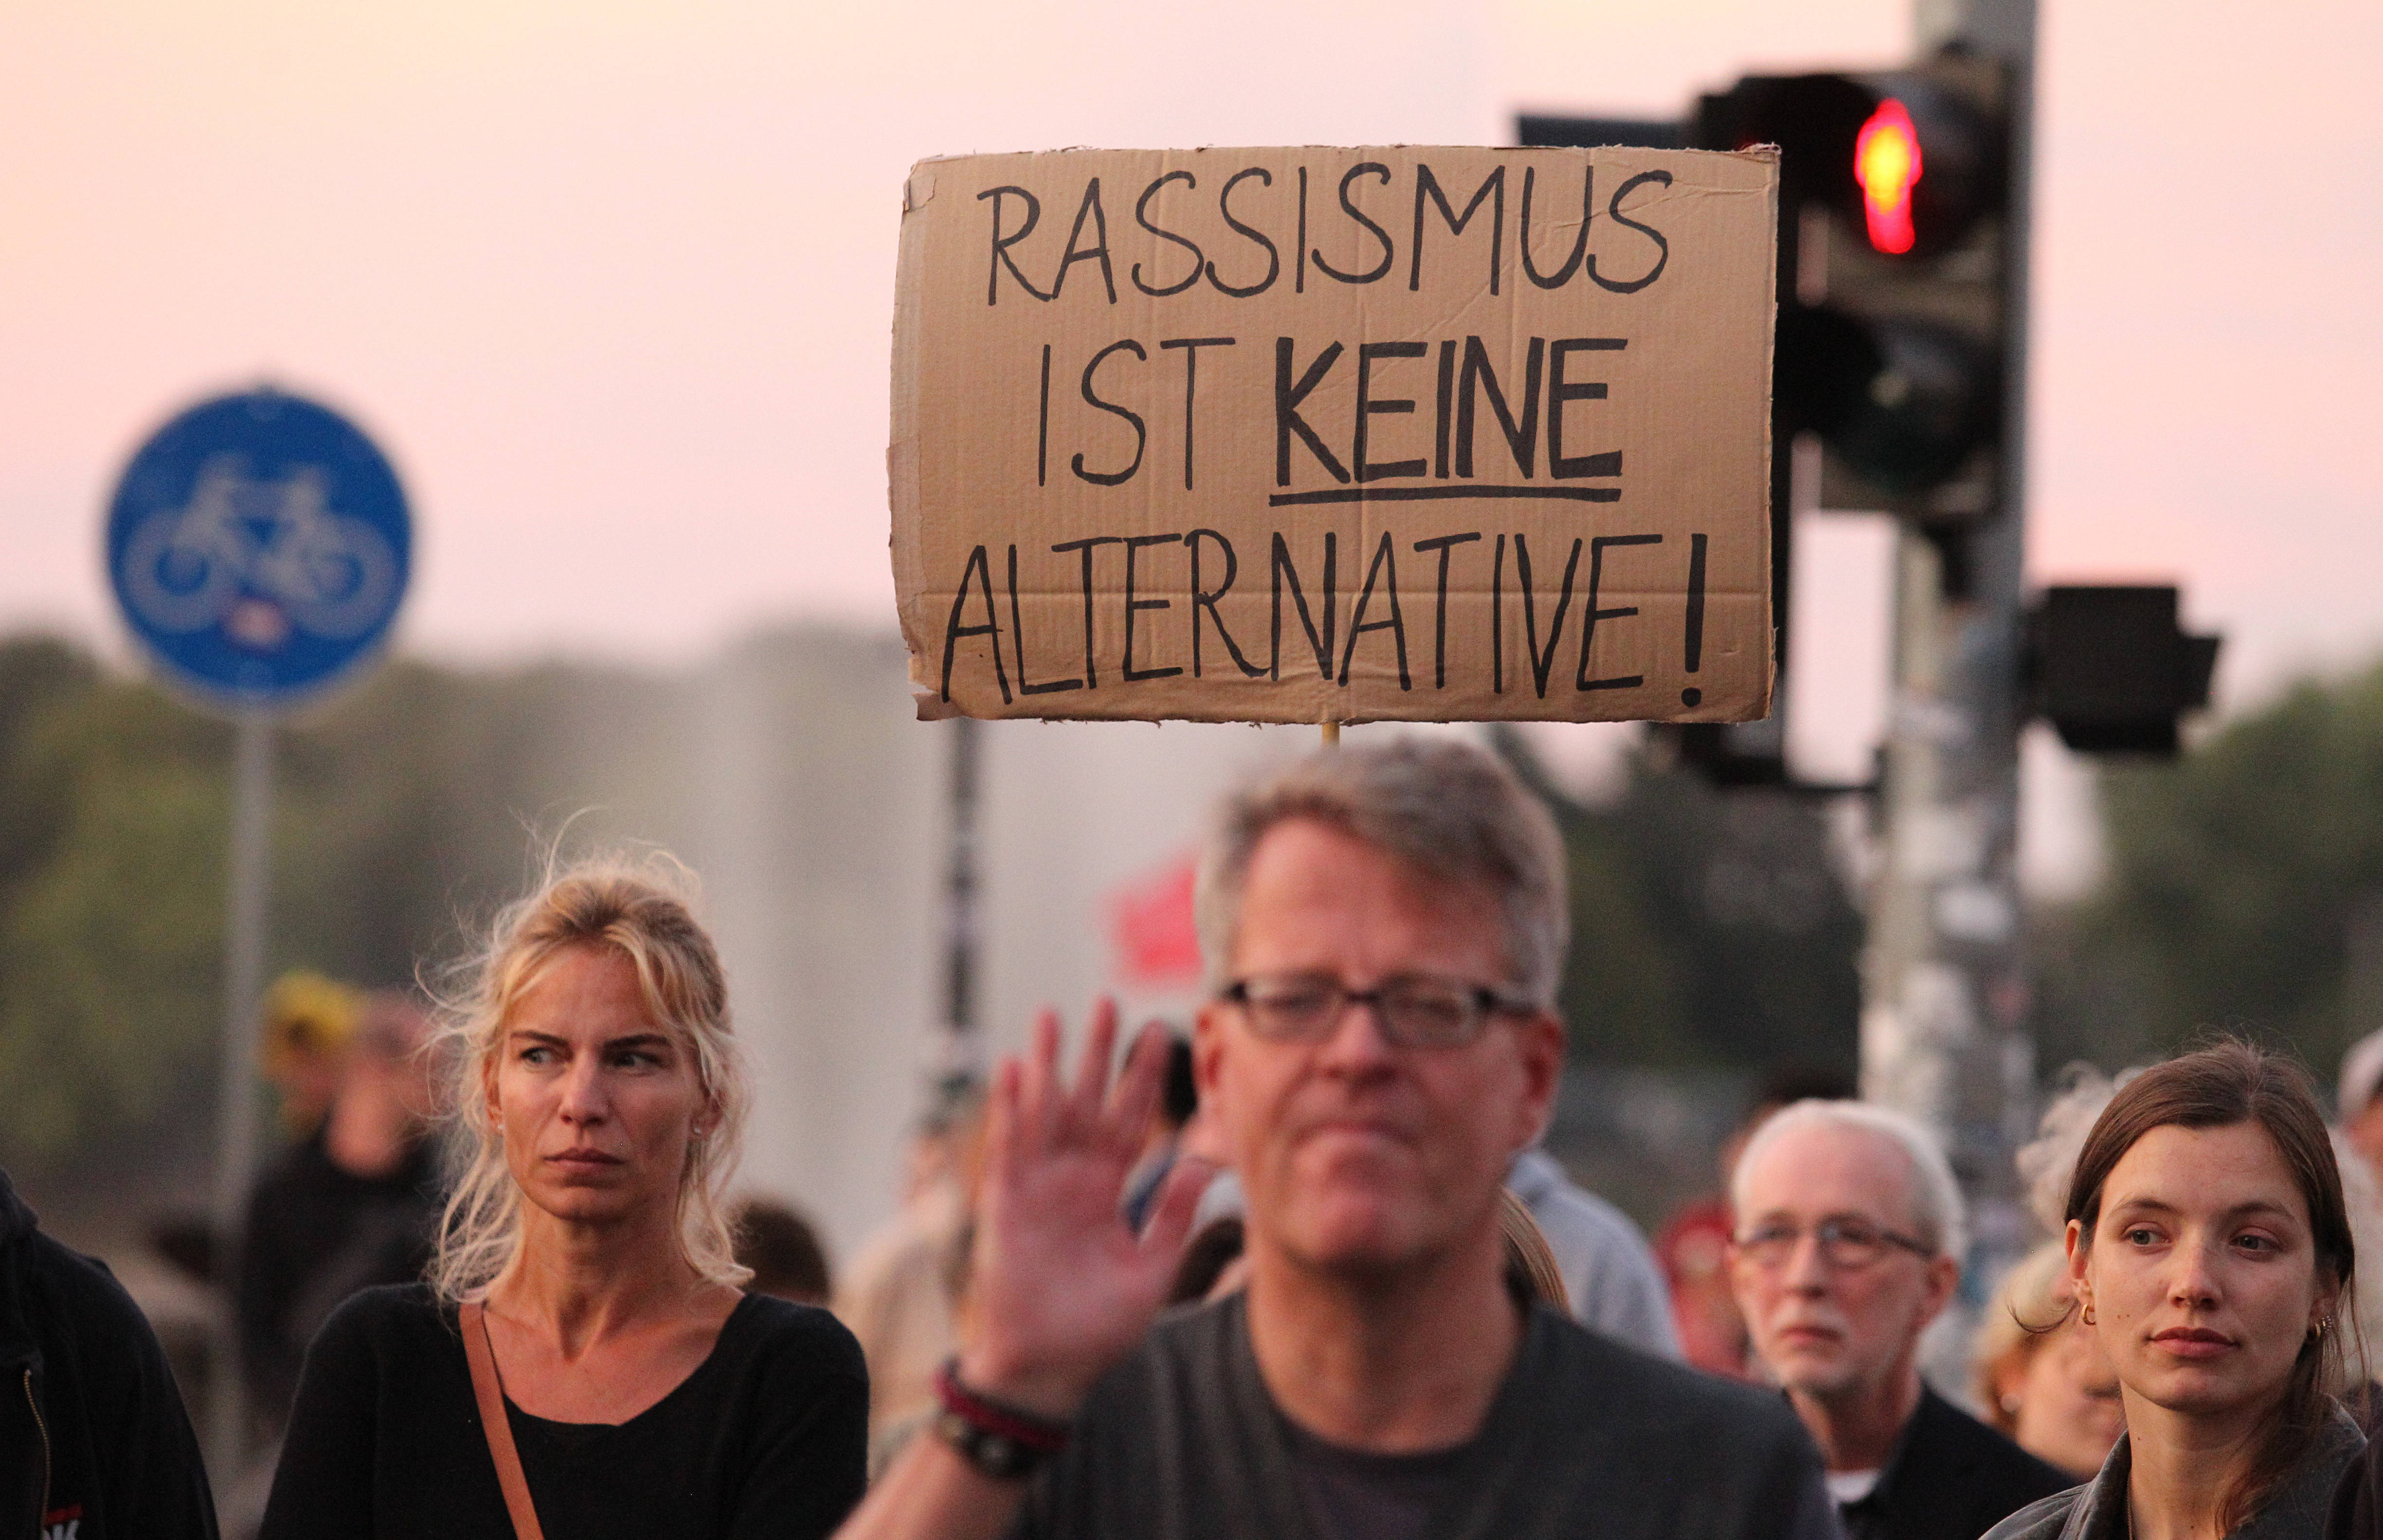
{"x": 1004, "y": 1441}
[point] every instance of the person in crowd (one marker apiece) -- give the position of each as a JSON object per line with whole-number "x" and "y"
{"x": 1179, "y": 1101}
{"x": 2209, "y": 1253}
{"x": 93, "y": 1437}
{"x": 308, "y": 1022}
{"x": 350, "y": 1206}
{"x": 1693, "y": 1247}
{"x": 2357, "y": 1100}
{"x": 1849, "y": 1225}
{"x": 582, "y": 1361}
{"x": 2362, "y": 1307}
{"x": 782, "y": 1250}
{"x": 1608, "y": 1272}
{"x": 2041, "y": 1376}
{"x": 899, "y": 1294}
{"x": 1383, "y": 926}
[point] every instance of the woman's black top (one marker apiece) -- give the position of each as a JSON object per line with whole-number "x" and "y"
{"x": 768, "y": 1436}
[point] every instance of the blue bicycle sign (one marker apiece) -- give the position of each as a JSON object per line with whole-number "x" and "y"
{"x": 259, "y": 547}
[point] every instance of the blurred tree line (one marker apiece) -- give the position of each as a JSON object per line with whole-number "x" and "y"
{"x": 2243, "y": 894}
{"x": 1710, "y": 932}
{"x": 404, "y": 812}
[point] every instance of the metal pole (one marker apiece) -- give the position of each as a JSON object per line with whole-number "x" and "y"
{"x": 1944, "y": 993}
{"x": 252, "y": 837}
{"x": 963, "y": 1047}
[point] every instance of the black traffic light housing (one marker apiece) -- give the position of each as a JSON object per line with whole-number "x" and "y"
{"x": 1894, "y": 197}
{"x": 1890, "y": 336}
{"x": 2112, "y": 670}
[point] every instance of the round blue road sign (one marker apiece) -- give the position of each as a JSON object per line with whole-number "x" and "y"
{"x": 258, "y": 546}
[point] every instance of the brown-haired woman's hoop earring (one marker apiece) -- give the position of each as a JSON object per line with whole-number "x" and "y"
{"x": 2088, "y": 1313}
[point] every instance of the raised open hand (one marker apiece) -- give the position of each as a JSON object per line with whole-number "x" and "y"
{"x": 1062, "y": 1288}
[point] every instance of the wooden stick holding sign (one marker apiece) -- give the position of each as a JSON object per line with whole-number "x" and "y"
{"x": 1337, "y": 434}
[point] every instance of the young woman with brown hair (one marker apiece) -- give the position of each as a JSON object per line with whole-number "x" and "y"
{"x": 2210, "y": 1253}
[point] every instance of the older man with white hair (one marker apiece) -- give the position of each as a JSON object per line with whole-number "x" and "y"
{"x": 1849, "y": 1239}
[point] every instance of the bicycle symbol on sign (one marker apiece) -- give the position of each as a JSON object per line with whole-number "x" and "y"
{"x": 259, "y": 557}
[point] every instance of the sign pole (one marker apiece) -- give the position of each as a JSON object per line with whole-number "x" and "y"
{"x": 963, "y": 1048}
{"x": 249, "y": 891}
{"x": 259, "y": 544}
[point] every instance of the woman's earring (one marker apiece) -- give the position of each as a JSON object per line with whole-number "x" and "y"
{"x": 2089, "y": 1312}
{"x": 2010, "y": 1404}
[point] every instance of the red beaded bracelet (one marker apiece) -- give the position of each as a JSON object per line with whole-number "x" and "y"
{"x": 1004, "y": 1441}
{"x": 1042, "y": 1434}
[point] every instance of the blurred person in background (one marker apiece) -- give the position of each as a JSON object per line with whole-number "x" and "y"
{"x": 782, "y": 1250}
{"x": 1382, "y": 928}
{"x": 1849, "y": 1228}
{"x": 584, "y": 1362}
{"x": 308, "y": 1023}
{"x": 1608, "y": 1272}
{"x": 1693, "y": 1247}
{"x": 2358, "y": 1501}
{"x": 2357, "y": 1100}
{"x": 2361, "y": 1328}
{"x": 2209, "y": 1253}
{"x": 95, "y": 1444}
{"x": 2042, "y": 1376}
{"x": 352, "y": 1205}
{"x": 1178, "y": 1103}
{"x": 899, "y": 1295}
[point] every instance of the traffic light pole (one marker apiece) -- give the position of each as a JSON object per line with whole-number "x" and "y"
{"x": 1944, "y": 993}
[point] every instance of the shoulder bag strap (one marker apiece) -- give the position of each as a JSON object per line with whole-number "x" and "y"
{"x": 490, "y": 1394}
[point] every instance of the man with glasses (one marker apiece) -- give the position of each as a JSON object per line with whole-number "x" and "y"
{"x": 1849, "y": 1228}
{"x": 1384, "y": 927}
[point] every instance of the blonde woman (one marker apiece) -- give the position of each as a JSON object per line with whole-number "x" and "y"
{"x": 583, "y": 1281}
{"x": 2043, "y": 1378}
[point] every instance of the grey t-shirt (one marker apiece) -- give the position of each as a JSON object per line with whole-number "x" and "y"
{"x": 1585, "y": 1437}
{"x": 1357, "y": 1495}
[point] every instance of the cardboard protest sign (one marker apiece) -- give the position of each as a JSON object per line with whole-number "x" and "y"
{"x": 1305, "y": 434}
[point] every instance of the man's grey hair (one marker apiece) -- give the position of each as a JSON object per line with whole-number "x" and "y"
{"x": 1443, "y": 807}
{"x": 1937, "y": 1212}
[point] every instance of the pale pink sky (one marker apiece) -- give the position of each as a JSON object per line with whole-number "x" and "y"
{"x": 612, "y": 280}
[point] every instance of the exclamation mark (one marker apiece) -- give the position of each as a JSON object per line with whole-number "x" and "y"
{"x": 1696, "y": 637}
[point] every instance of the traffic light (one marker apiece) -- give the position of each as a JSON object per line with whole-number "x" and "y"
{"x": 1897, "y": 255}
{"x": 1893, "y": 266}
{"x": 2111, "y": 670}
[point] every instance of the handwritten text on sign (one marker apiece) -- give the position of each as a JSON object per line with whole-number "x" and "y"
{"x": 1294, "y": 435}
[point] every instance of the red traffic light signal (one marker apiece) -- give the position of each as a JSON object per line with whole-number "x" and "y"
{"x": 1887, "y": 161}
{"x": 1859, "y": 144}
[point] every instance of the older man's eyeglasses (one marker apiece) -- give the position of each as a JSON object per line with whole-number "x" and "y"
{"x": 1415, "y": 1010}
{"x": 1846, "y": 1245}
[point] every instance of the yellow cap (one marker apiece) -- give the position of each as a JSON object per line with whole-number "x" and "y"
{"x": 305, "y": 1013}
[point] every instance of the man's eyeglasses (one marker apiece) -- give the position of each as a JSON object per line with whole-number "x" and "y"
{"x": 1415, "y": 1010}
{"x": 1846, "y": 1245}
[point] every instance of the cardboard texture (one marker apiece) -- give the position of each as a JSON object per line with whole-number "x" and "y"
{"x": 1309, "y": 435}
